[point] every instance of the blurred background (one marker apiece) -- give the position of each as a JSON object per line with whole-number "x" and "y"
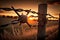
{"x": 13, "y": 32}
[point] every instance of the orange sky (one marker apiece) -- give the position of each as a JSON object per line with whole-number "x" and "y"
{"x": 33, "y": 5}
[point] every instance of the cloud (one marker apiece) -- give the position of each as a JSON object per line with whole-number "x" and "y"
{"x": 1, "y": 11}
{"x": 53, "y": 1}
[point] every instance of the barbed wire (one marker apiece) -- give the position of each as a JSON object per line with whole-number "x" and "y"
{"x": 20, "y": 10}
{"x": 31, "y": 16}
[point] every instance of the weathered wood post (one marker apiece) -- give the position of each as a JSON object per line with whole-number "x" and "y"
{"x": 59, "y": 29}
{"x": 42, "y": 11}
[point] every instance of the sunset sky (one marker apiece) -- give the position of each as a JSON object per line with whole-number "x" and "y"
{"x": 53, "y": 9}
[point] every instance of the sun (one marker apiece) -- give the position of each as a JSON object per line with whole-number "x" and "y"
{"x": 30, "y": 18}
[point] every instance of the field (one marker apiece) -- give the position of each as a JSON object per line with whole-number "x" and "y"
{"x": 23, "y": 32}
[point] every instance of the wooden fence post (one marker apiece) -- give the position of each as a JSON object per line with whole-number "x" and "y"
{"x": 42, "y": 10}
{"x": 58, "y": 38}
